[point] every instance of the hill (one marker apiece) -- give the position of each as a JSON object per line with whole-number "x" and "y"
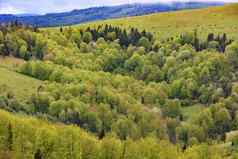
{"x": 214, "y": 19}
{"x": 102, "y": 13}
{"x": 126, "y": 93}
{"x": 20, "y": 85}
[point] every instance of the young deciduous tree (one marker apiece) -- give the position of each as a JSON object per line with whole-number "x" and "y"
{"x": 87, "y": 37}
{"x": 232, "y": 54}
{"x": 145, "y": 43}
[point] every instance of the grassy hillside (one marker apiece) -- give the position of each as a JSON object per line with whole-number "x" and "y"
{"x": 102, "y": 13}
{"x": 20, "y": 85}
{"x": 213, "y": 19}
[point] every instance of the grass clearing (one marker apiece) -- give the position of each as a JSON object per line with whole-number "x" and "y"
{"x": 22, "y": 86}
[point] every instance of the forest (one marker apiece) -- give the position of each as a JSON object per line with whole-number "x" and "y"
{"x": 108, "y": 92}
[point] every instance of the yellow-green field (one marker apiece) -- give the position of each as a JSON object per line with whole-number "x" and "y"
{"x": 21, "y": 86}
{"x": 214, "y": 19}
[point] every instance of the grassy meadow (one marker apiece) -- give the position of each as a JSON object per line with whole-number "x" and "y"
{"x": 164, "y": 25}
{"x": 20, "y": 85}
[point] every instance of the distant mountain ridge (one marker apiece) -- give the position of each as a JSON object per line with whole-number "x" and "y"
{"x": 102, "y": 13}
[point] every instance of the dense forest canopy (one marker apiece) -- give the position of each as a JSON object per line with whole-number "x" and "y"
{"x": 132, "y": 95}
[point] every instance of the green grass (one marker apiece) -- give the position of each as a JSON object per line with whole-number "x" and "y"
{"x": 214, "y": 19}
{"x": 20, "y": 85}
{"x": 191, "y": 112}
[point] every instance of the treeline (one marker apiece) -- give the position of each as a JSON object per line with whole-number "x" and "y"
{"x": 15, "y": 25}
{"x": 21, "y": 41}
{"x": 111, "y": 33}
{"x": 28, "y": 42}
{"x": 216, "y": 42}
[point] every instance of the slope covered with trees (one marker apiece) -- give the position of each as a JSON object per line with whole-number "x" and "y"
{"x": 110, "y": 92}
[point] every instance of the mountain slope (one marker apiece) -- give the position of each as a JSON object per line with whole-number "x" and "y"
{"x": 213, "y": 19}
{"x": 101, "y": 13}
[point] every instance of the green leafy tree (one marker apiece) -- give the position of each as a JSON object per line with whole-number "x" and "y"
{"x": 232, "y": 54}
{"x": 40, "y": 47}
{"x": 134, "y": 62}
{"x": 23, "y": 53}
{"x": 145, "y": 43}
{"x": 87, "y": 37}
{"x": 125, "y": 128}
{"x": 222, "y": 120}
{"x": 76, "y": 37}
{"x": 213, "y": 45}
{"x": 172, "y": 109}
{"x": 171, "y": 128}
{"x": 106, "y": 117}
{"x": 110, "y": 148}
{"x": 1, "y": 43}
{"x": 84, "y": 47}
{"x": 111, "y": 36}
{"x": 91, "y": 122}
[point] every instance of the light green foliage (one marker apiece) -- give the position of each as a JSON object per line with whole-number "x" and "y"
{"x": 40, "y": 47}
{"x": 84, "y": 47}
{"x": 1, "y": 43}
{"x": 139, "y": 95}
{"x": 111, "y": 36}
{"x": 172, "y": 109}
{"x": 1, "y": 37}
{"x": 213, "y": 45}
{"x": 145, "y": 43}
{"x": 125, "y": 128}
{"x": 87, "y": 37}
{"x": 232, "y": 54}
{"x": 135, "y": 62}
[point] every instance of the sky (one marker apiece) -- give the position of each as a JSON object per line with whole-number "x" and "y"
{"x": 53, "y": 6}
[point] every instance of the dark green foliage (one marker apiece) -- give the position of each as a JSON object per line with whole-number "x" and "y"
{"x": 9, "y": 143}
{"x": 38, "y": 155}
{"x": 212, "y": 42}
{"x": 111, "y": 33}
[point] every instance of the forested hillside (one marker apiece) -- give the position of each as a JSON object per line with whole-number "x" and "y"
{"x": 112, "y": 92}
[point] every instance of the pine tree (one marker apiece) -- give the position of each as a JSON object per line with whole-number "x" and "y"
{"x": 196, "y": 41}
{"x": 210, "y": 37}
{"x": 61, "y": 29}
